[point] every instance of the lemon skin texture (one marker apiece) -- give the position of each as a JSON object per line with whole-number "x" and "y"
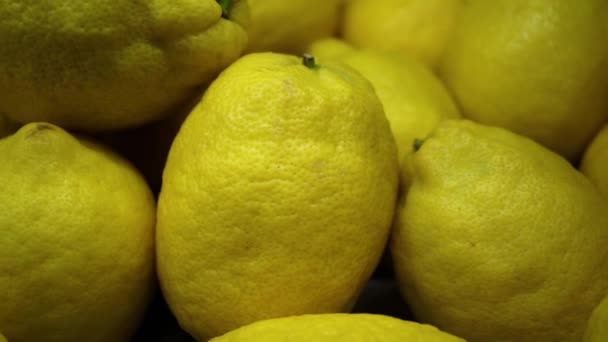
{"x": 99, "y": 66}
{"x": 277, "y": 195}
{"x": 414, "y": 98}
{"x": 497, "y": 238}
{"x": 77, "y": 235}
{"x": 337, "y": 328}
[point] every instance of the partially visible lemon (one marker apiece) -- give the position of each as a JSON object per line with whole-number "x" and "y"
{"x": 101, "y": 65}
{"x": 538, "y": 68}
{"x": 499, "y": 239}
{"x": 595, "y": 161}
{"x": 2, "y": 338}
{"x": 418, "y": 28}
{"x": 330, "y": 49}
{"x": 277, "y": 196}
{"x": 77, "y": 234}
{"x": 597, "y": 327}
{"x": 337, "y": 328}
{"x": 290, "y": 26}
{"x": 414, "y": 99}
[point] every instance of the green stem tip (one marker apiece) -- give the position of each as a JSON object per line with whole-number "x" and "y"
{"x": 225, "y": 4}
{"x": 309, "y": 61}
{"x": 418, "y": 144}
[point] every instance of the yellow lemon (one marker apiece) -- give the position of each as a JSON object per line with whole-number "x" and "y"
{"x": 597, "y": 327}
{"x": 2, "y": 338}
{"x": 98, "y": 65}
{"x": 330, "y": 49}
{"x": 277, "y": 195}
{"x": 290, "y": 26}
{"x": 498, "y": 238}
{"x": 414, "y": 99}
{"x": 595, "y": 161}
{"x": 76, "y": 230}
{"x": 418, "y": 28}
{"x": 337, "y": 328}
{"x": 536, "y": 67}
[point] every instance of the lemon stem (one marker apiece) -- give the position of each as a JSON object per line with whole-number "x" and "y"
{"x": 225, "y": 4}
{"x": 418, "y": 144}
{"x": 309, "y": 61}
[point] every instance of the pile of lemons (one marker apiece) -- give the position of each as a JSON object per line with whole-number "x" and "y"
{"x": 254, "y": 160}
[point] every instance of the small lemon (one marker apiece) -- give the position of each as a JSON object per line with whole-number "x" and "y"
{"x": 597, "y": 327}
{"x": 414, "y": 99}
{"x": 2, "y": 338}
{"x": 499, "y": 239}
{"x": 76, "y": 237}
{"x": 337, "y": 328}
{"x": 418, "y": 28}
{"x": 290, "y": 26}
{"x": 103, "y": 65}
{"x": 277, "y": 196}
{"x": 595, "y": 161}
{"x": 538, "y": 68}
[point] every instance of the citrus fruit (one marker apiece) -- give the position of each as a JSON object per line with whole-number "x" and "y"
{"x": 277, "y": 195}
{"x": 498, "y": 238}
{"x": 337, "y": 328}
{"x": 418, "y": 28}
{"x": 98, "y": 65}
{"x": 538, "y": 68}
{"x": 77, "y": 233}
{"x": 290, "y": 26}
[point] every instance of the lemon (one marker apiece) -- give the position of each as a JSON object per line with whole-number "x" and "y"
{"x": 277, "y": 195}
{"x": 595, "y": 161}
{"x": 76, "y": 224}
{"x": 98, "y": 65}
{"x": 533, "y": 67}
{"x": 290, "y": 26}
{"x": 414, "y": 99}
{"x": 417, "y": 28}
{"x": 597, "y": 327}
{"x": 330, "y": 49}
{"x": 498, "y": 238}
{"x": 2, "y": 338}
{"x": 336, "y": 328}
